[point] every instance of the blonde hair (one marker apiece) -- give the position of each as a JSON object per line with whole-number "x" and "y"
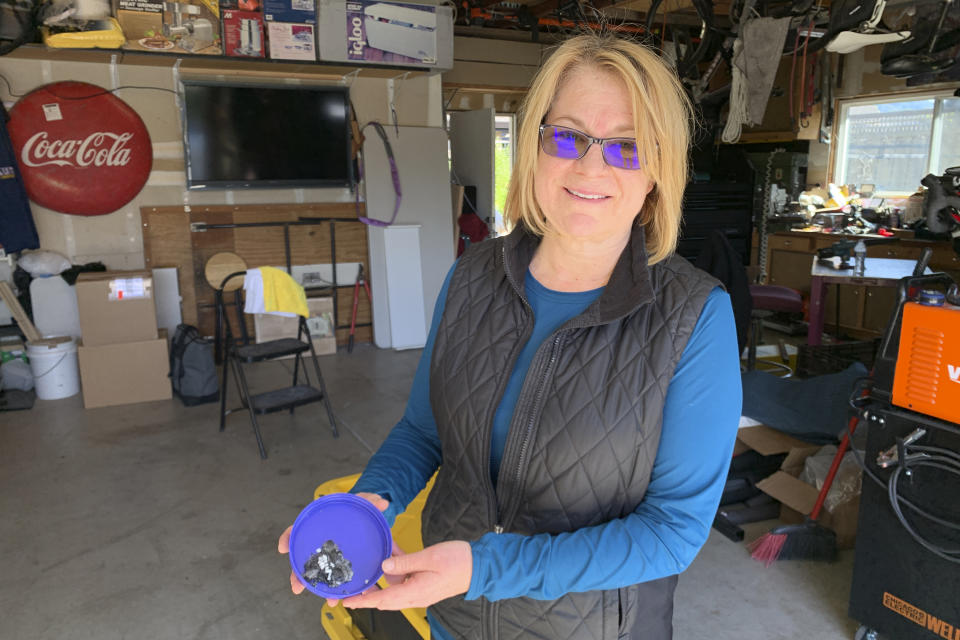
{"x": 662, "y": 117}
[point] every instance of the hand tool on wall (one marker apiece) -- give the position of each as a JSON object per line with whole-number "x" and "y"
{"x": 356, "y": 299}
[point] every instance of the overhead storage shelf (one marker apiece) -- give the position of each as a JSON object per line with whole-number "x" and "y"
{"x": 219, "y": 65}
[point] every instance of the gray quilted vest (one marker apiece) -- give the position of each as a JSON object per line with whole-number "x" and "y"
{"x": 583, "y": 436}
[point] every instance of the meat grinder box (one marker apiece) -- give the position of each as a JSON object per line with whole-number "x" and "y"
{"x": 116, "y": 307}
{"x": 291, "y": 41}
{"x": 125, "y": 373}
{"x": 243, "y": 33}
{"x": 142, "y": 24}
{"x": 171, "y": 27}
{"x": 302, "y": 11}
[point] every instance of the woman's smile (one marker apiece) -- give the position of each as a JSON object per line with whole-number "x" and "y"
{"x": 587, "y": 195}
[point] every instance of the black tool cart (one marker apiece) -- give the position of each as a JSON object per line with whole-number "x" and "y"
{"x": 906, "y": 576}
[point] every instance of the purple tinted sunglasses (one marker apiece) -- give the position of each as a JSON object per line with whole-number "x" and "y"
{"x": 570, "y": 144}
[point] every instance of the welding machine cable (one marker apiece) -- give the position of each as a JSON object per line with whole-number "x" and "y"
{"x": 951, "y": 555}
{"x": 942, "y": 459}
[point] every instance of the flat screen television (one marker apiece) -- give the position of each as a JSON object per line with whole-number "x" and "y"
{"x": 266, "y": 136}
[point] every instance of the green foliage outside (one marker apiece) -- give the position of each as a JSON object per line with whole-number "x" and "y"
{"x": 502, "y": 168}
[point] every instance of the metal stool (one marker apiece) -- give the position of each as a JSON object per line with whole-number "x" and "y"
{"x": 769, "y": 299}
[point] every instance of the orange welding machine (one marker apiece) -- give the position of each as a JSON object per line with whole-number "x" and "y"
{"x": 927, "y": 376}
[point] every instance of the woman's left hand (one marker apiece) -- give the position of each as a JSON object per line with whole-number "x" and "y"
{"x": 421, "y": 579}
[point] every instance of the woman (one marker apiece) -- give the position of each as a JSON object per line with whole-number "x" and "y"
{"x": 580, "y": 384}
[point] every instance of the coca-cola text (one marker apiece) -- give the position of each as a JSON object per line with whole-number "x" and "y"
{"x": 99, "y": 149}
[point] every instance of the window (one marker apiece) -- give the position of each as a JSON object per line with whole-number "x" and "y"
{"x": 892, "y": 143}
{"x": 504, "y": 134}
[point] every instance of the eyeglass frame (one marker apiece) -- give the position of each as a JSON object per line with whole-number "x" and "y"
{"x": 592, "y": 141}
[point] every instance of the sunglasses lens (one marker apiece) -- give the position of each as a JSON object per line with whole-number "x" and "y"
{"x": 562, "y": 143}
{"x": 622, "y": 154}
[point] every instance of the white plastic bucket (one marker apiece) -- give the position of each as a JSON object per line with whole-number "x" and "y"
{"x": 54, "y": 365}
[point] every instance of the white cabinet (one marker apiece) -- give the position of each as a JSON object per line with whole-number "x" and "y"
{"x": 397, "y": 287}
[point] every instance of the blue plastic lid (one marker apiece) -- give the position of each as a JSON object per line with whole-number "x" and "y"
{"x": 357, "y": 528}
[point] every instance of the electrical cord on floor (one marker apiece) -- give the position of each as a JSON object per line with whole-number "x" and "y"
{"x": 936, "y": 457}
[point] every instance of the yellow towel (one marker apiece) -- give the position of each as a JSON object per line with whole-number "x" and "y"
{"x": 282, "y": 293}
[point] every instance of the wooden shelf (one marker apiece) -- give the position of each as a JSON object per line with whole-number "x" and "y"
{"x": 217, "y": 65}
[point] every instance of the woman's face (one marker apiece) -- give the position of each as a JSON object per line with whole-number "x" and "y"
{"x": 587, "y": 199}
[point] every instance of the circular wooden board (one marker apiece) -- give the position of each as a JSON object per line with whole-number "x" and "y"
{"x": 220, "y": 265}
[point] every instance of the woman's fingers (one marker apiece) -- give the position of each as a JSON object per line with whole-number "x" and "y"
{"x": 283, "y": 545}
{"x": 390, "y": 578}
{"x": 295, "y": 585}
{"x": 375, "y": 500}
{"x": 428, "y": 576}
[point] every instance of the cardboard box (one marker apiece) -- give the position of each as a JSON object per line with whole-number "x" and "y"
{"x": 764, "y": 440}
{"x": 116, "y": 307}
{"x": 243, "y": 33}
{"x": 796, "y": 497}
{"x": 385, "y": 33}
{"x": 242, "y": 5}
{"x": 12, "y": 348}
{"x": 291, "y": 41}
{"x": 320, "y": 323}
{"x": 188, "y": 26}
{"x": 125, "y": 373}
{"x": 300, "y": 11}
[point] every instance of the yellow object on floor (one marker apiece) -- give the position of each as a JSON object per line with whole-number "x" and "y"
{"x": 406, "y": 532}
{"x": 282, "y": 293}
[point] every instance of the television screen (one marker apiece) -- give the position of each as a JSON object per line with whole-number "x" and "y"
{"x": 254, "y": 136}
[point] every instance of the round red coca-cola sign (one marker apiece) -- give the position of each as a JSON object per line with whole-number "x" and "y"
{"x": 81, "y": 149}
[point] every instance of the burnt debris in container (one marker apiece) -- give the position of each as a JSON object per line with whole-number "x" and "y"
{"x": 328, "y": 566}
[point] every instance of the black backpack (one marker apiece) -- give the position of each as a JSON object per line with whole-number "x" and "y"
{"x": 192, "y": 369}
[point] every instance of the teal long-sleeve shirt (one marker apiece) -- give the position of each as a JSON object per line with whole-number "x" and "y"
{"x": 661, "y": 537}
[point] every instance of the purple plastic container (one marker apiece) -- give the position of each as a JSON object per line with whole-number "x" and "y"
{"x": 356, "y": 526}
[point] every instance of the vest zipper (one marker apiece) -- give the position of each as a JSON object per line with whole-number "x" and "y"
{"x": 494, "y": 504}
{"x": 495, "y": 511}
{"x": 531, "y": 423}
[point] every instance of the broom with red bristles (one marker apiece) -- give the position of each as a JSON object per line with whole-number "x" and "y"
{"x": 809, "y": 540}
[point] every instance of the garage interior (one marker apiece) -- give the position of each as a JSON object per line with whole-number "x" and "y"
{"x": 127, "y": 514}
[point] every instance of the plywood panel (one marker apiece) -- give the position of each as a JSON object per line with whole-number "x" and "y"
{"x": 167, "y": 243}
{"x": 168, "y": 238}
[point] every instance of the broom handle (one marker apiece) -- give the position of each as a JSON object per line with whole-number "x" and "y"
{"x": 837, "y": 459}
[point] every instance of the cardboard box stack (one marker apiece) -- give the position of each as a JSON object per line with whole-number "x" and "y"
{"x": 291, "y": 29}
{"x": 123, "y": 358}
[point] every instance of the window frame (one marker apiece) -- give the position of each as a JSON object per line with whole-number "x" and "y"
{"x": 839, "y": 160}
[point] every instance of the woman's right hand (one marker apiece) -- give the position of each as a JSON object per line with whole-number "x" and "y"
{"x": 283, "y": 545}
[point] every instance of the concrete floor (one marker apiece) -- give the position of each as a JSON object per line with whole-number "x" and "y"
{"x": 144, "y": 522}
